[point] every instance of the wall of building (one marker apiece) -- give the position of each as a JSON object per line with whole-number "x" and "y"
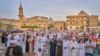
{"x": 59, "y": 25}
{"x": 93, "y": 21}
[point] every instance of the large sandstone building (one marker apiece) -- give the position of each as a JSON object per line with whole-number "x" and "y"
{"x": 39, "y": 22}
{"x": 82, "y": 21}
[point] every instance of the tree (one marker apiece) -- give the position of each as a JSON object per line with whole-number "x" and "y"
{"x": 1, "y": 24}
{"x": 9, "y": 27}
{"x": 50, "y": 26}
{"x": 82, "y": 27}
{"x": 32, "y": 27}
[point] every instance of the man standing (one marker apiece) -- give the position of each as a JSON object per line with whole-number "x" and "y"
{"x": 74, "y": 46}
{"x": 81, "y": 48}
{"x": 66, "y": 47}
{"x": 43, "y": 39}
{"x": 13, "y": 49}
{"x": 59, "y": 48}
{"x": 4, "y": 36}
{"x": 44, "y": 51}
{"x": 48, "y": 44}
{"x": 89, "y": 45}
{"x": 53, "y": 46}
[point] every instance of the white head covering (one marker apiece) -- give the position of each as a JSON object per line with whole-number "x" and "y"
{"x": 73, "y": 38}
{"x": 13, "y": 41}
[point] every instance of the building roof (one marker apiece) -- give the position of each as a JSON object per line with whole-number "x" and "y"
{"x": 82, "y": 13}
{"x": 37, "y": 17}
{"x": 7, "y": 19}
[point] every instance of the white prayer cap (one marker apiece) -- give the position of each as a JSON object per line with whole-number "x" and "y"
{"x": 13, "y": 41}
{"x": 73, "y": 38}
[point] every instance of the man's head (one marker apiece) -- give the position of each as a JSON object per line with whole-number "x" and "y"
{"x": 74, "y": 39}
{"x": 39, "y": 49}
{"x": 44, "y": 46}
{"x": 90, "y": 39}
{"x": 98, "y": 36}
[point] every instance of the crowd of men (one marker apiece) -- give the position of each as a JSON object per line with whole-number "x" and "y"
{"x": 52, "y": 43}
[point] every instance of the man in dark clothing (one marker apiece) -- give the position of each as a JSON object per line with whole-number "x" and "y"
{"x": 59, "y": 48}
{"x": 14, "y": 50}
{"x": 53, "y": 47}
{"x": 4, "y": 36}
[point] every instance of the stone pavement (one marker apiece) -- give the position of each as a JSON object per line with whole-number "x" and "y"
{"x": 2, "y": 50}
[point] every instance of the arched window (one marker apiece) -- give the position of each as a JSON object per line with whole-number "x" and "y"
{"x": 70, "y": 27}
{"x": 82, "y": 22}
{"x": 24, "y": 24}
{"x": 76, "y": 22}
{"x": 71, "y": 22}
{"x": 76, "y": 27}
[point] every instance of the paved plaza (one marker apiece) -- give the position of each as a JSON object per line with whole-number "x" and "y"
{"x": 2, "y": 49}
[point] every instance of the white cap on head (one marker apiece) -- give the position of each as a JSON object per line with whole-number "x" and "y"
{"x": 73, "y": 38}
{"x": 13, "y": 41}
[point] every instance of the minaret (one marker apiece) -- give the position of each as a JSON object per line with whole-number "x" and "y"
{"x": 21, "y": 16}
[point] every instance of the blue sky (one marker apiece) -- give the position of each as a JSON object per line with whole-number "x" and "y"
{"x": 57, "y": 9}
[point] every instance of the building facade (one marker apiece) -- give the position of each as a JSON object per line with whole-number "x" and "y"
{"x": 82, "y": 21}
{"x": 59, "y": 25}
{"x": 38, "y": 21}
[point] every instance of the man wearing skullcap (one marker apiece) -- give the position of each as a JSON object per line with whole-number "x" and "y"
{"x": 13, "y": 49}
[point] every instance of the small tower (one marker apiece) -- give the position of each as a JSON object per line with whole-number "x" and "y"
{"x": 21, "y": 16}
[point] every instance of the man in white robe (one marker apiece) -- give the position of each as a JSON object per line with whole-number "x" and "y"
{"x": 66, "y": 48}
{"x": 16, "y": 36}
{"x": 48, "y": 45}
{"x": 37, "y": 44}
{"x": 59, "y": 35}
{"x": 44, "y": 39}
{"x": 10, "y": 37}
{"x": 81, "y": 49}
{"x": 74, "y": 46}
{"x": 8, "y": 40}
{"x": 20, "y": 40}
{"x": 23, "y": 42}
{"x": 89, "y": 47}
